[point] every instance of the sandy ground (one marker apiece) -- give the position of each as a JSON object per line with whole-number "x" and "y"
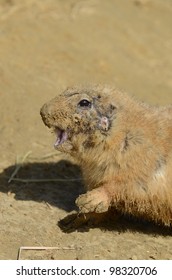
{"x": 44, "y": 47}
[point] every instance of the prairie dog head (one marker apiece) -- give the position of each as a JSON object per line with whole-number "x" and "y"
{"x": 79, "y": 117}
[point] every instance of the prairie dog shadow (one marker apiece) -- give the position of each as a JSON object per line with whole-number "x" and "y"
{"x": 111, "y": 221}
{"x": 61, "y": 192}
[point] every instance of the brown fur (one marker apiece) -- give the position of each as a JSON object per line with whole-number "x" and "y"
{"x": 124, "y": 148}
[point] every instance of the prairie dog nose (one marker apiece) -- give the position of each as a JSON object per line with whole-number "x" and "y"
{"x": 46, "y": 112}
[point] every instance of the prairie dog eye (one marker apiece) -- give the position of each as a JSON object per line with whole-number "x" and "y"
{"x": 84, "y": 103}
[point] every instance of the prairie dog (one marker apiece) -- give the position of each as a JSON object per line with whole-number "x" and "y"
{"x": 123, "y": 146}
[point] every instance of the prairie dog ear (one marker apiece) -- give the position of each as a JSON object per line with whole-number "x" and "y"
{"x": 104, "y": 123}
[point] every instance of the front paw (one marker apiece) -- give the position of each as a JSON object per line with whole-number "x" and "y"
{"x": 96, "y": 201}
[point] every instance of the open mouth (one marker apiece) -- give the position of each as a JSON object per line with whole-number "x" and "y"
{"x": 62, "y": 136}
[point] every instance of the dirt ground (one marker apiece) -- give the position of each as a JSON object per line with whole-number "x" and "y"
{"x": 46, "y": 45}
